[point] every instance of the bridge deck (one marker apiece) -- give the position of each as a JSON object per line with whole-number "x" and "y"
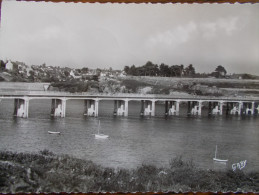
{"x": 119, "y": 96}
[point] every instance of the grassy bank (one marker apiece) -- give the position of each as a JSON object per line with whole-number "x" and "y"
{"x": 198, "y": 86}
{"x": 46, "y": 172}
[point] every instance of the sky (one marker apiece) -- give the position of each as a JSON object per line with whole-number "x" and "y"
{"x": 108, "y": 35}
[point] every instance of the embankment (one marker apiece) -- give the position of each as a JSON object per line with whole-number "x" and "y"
{"x": 22, "y": 86}
{"x": 198, "y": 86}
{"x": 47, "y": 172}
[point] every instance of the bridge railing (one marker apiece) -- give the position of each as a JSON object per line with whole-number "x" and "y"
{"x": 126, "y": 95}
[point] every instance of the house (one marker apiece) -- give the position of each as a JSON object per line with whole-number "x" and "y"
{"x": 122, "y": 74}
{"x": 72, "y": 73}
{"x": 75, "y": 75}
{"x": 9, "y": 65}
{"x": 103, "y": 74}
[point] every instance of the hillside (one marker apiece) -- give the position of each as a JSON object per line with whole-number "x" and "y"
{"x": 147, "y": 85}
{"x": 198, "y": 86}
{"x": 115, "y": 81}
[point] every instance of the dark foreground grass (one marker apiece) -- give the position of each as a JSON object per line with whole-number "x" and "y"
{"x": 46, "y": 172}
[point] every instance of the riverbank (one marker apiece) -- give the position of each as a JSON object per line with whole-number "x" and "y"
{"x": 194, "y": 86}
{"x": 47, "y": 172}
{"x": 147, "y": 85}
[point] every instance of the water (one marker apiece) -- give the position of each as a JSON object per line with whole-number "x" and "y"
{"x": 132, "y": 140}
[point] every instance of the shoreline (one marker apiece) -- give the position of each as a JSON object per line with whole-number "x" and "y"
{"x": 150, "y": 85}
{"x": 48, "y": 172}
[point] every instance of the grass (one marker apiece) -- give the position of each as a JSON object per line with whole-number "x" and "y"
{"x": 47, "y": 172}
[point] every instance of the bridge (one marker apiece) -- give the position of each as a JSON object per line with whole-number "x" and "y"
{"x": 194, "y": 104}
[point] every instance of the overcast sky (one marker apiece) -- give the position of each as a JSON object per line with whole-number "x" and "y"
{"x": 115, "y": 35}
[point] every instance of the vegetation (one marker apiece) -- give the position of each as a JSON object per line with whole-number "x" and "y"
{"x": 248, "y": 76}
{"x": 150, "y": 69}
{"x": 70, "y": 86}
{"x": 220, "y": 69}
{"x": 115, "y": 81}
{"x": 165, "y": 86}
{"x": 133, "y": 85}
{"x": 47, "y": 172}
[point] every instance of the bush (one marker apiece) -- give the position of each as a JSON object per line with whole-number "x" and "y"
{"x": 72, "y": 86}
{"x": 47, "y": 172}
{"x": 133, "y": 85}
{"x": 46, "y": 152}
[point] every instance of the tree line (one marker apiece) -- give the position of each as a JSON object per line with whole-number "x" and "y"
{"x": 164, "y": 70}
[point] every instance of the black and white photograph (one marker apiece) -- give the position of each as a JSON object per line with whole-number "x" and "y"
{"x": 115, "y": 97}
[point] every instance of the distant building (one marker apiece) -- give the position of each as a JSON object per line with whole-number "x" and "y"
{"x": 9, "y": 65}
{"x": 72, "y": 73}
{"x": 218, "y": 74}
{"x": 28, "y": 69}
{"x": 103, "y": 74}
{"x": 222, "y": 73}
{"x": 122, "y": 74}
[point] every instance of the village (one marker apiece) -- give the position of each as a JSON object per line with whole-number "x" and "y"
{"x": 15, "y": 71}
{"x": 20, "y": 72}
{"x": 146, "y": 79}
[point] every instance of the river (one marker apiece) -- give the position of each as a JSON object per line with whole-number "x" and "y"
{"x": 132, "y": 140}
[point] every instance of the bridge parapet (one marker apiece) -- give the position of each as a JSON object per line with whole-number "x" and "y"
{"x": 123, "y": 96}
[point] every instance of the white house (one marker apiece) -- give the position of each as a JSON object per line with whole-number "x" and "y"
{"x": 72, "y": 73}
{"x": 9, "y": 65}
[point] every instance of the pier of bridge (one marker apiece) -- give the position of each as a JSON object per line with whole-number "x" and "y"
{"x": 21, "y": 107}
{"x": 58, "y": 107}
{"x": 121, "y": 107}
{"x": 215, "y": 106}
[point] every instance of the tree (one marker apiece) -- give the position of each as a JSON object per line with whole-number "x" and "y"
{"x": 181, "y": 70}
{"x": 66, "y": 73}
{"x": 133, "y": 70}
{"x": 127, "y": 69}
{"x": 164, "y": 70}
{"x": 78, "y": 70}
{"x": 98, "y": 72}
{"x": 150, "y": 69}
{"x": 221, "y": 70}
{"x": 32, "y": 75}
{"x": 190, "y": 70}
{"x": 15, "y": 67}
{"x": 2, "y": 65}
{"x": 84, "y": 70}
{"x": 156, "y": 70}
{"x": 176, "y": 70}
